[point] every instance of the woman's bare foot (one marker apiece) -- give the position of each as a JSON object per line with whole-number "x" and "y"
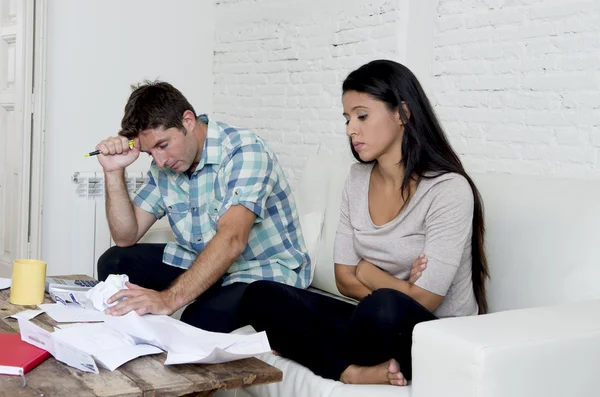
{"x": 394, "y": 375}
{"x": 384, "y": 373}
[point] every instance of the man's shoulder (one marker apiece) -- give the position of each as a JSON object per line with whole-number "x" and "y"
{"x": 235, "y": 138}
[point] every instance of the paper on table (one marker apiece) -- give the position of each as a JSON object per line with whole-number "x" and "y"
{"x": 187, "y": 344}
{"x": 109, "y": 347}
{"x": 26, "y": 314}
{"x": 64, "y": 296}
{"x": 64, "y": 326}
{"x": 61, "y": 351}
{"x": 4, "y": 283}
{"x": 72, "y": 313}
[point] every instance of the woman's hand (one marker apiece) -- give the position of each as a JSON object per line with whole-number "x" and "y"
{"x": 418, "y": 266}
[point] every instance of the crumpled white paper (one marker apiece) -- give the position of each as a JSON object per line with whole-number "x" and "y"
{"x": 99, "y": 295}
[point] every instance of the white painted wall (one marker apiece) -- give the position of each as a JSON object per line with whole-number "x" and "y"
{"x": 518, "y": 84}
{"x": 96, "y": 49}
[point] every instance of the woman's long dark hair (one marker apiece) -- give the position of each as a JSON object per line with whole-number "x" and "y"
{"x": 425, "y": 147}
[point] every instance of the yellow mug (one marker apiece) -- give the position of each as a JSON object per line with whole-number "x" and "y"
{"x": 28, "y": 282}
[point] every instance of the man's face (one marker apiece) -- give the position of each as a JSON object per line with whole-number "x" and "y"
{"x": 170, "y": 148}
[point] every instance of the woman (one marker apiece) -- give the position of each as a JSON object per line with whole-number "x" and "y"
{"x": 408, "y": 204}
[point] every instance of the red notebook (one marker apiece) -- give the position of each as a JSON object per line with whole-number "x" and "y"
{"x": 18, "y": 357}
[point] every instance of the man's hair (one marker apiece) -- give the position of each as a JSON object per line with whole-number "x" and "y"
{"x": 152, "y": 105}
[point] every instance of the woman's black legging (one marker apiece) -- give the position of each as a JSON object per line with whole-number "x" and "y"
{"x": 327, "y": 335}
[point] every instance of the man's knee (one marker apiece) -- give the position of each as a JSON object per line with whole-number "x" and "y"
{"x": 254, "y": 294}
{"x": 259, "y": 288}
{"x": 110, "y": 262}
{"x": 255, "y": 301}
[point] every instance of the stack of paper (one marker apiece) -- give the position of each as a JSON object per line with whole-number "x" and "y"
{"x": 113, "y": 341}
{"x": 187, "y": 344}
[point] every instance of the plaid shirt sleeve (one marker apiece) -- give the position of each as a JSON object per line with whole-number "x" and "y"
{"x": 148, "y": 196}
{"x": 249, "y": 179}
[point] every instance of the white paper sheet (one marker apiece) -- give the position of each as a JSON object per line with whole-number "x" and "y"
{"x": 72, "y": 313}
{"x": 64, "y": 326}
{"x": 187, "y": 344}
{"x": 61, "y": 351}
{"x": 120, "y": 339}
{"x": 26, "y": 314}
{"x": 109, "y": 347}
{"x": 64, "y": 296}
{"x": 4, "y": 283}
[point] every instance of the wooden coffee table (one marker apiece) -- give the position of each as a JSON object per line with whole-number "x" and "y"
{"x": 144, "y": 376}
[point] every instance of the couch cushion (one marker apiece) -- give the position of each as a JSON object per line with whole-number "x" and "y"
{"x": 543, "y": 240}
{"x": 320, "y": 189}
{"x": 312, "y": 225}
{"x": 298, "y": 381}
{"x": 159, "y": 233}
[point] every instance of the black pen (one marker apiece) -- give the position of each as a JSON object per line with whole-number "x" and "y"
{"x": 97, "y": 152}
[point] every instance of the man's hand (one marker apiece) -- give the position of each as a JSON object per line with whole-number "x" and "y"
{"x": 418, "y": 266}
{"x": 142, "y": 300}
{"x": 116, "y": 153}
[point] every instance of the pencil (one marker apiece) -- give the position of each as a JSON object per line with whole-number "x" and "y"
{"x": 97, "y": 152}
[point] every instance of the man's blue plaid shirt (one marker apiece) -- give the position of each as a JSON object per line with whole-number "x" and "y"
{"x": 236, "y": 168}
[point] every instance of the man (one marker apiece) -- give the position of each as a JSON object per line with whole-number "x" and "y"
{"x": 228, "y": 202}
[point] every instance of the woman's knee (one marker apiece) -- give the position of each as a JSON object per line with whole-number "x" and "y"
{"x": 385, "y": 306}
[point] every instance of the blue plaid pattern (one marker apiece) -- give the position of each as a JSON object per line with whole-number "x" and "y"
{"x": 236, "y": 168}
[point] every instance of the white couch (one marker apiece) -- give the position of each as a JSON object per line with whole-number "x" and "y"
{"x": 542, "y": 338}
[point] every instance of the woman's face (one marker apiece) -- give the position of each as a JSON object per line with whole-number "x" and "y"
{"x": 375, "y": 131}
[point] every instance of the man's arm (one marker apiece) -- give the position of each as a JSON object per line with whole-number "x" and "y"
{"x": 225, "y": 247}
{"x": 127, "y": 222}
{"x": 374, "y": 278}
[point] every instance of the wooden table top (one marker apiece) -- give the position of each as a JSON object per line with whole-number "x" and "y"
{"x": 144, "y": 376}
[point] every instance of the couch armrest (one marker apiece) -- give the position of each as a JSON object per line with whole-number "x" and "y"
{"x": 545, "y": 351}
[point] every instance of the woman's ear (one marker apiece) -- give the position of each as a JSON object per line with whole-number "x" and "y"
{"x": 406, "y": 111}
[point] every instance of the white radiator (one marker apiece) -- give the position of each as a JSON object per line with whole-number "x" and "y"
{"x": 90, "y": 186}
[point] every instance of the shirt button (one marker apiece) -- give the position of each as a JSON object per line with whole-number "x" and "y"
{"x": 194, "y": 209}
{"x": 199, "y": 239}
{"x": 170, "y": 207}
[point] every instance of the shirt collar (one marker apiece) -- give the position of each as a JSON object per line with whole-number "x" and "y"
{"x": 211, "y": 152}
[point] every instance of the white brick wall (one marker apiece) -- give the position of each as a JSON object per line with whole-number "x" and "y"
{"x": 279, "y": 67}
{"x": 517, "y": 84}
